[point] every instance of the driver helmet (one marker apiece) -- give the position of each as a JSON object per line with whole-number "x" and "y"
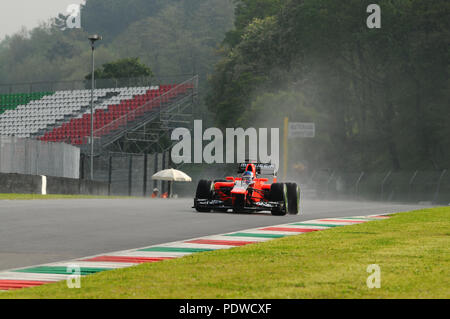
{"x": 248, "y": 177}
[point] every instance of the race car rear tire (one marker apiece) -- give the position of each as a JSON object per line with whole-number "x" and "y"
{"x": 293, "y": 192}
{"x": 204, "y": 191}
{"x": 278, "y": 193}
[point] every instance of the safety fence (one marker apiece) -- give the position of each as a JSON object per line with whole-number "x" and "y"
{"x": 127, "y": 174}
{"x": 402, "y": 186}
{"x": 130, "y": 174}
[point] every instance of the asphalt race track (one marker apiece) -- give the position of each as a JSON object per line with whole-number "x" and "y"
{"x": 43, "y": 231}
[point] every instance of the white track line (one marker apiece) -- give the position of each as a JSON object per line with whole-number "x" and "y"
{"x": 149, "y": 254}
{"x": 237, "y": 238}
{"x": 93, "y": 264}
{"x": 32, "y": 276}
{"x": 199, "y": 246}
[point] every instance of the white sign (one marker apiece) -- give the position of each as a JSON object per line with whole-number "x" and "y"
{"x": 302, "y": 130}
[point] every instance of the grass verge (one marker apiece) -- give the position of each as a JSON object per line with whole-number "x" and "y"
{"x": 412, "y": 250}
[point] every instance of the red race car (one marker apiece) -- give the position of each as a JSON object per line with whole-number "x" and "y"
{"x": 249, "y": 193}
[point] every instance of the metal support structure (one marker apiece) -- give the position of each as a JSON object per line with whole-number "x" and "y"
{"x": 411, "y": 182}
{"x": 170, "y": 189}
{"x": 155, "y": 170}
{"x": 357, "y": 183}
{"x": 93, "y": 39}
{"x": 285, "y": 148}
{"x": 383, "y": 183}
{"x": 82, "y": 159}
{"x": 126, "y": 136}
{"x": 438, "y": 187}
{"x": 92, "y": 113}
{"x": 144, "y": 190}
{"x": 328, "y": 183}
{"x": 109, "y": 175}
{"x": 130, "y": 175}
{"x": 163, "y": 184}
{"x": 145, "y": 131}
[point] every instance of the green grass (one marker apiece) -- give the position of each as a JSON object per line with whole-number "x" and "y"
{"x": 412, "y": 250}
{"x": 36, "y": 196}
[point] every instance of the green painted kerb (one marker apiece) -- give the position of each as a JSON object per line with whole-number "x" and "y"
{"x": 61, "y": 270}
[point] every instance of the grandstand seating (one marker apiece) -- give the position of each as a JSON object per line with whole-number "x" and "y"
{"x": 11, "y": 101}
{"x": 65, "y": 115}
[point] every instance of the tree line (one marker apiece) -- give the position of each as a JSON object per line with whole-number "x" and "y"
{"x": 172, "y": 37}
{"x": 379, "y": 97}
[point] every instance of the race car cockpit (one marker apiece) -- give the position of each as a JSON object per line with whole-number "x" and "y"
{"x": 248, "y": 178}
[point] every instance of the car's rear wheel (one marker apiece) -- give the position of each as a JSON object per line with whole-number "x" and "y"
{"x": 278, "y": 193}
{"x": 293, "y": 195}
{"x": 204, "y": 191}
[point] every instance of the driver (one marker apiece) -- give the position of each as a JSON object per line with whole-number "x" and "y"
{"x": 248, "y": 178}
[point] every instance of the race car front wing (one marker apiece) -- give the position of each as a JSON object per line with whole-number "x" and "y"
{"x": 219, "y": 204}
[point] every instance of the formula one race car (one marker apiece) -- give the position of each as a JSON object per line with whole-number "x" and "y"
{"x": 248, "y": 193}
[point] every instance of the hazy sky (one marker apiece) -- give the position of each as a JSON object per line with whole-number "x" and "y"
{"x": 17, "y": 13}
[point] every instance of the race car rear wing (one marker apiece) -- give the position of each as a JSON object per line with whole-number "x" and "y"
{"x": 261, "y": 169}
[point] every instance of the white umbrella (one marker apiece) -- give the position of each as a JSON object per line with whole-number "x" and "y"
{"x": 172, "y": 175}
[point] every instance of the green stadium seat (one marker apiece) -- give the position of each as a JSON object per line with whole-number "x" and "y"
{"x": 11, "y": 101}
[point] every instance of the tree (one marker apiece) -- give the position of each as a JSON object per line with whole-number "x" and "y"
{"x": 248, "y": 10}
{"x": 383, "y": 93}
{"x": 123, "y": 68}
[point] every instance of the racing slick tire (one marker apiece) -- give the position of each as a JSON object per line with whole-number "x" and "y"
{"x": 204, "y": 191}
{"x": 238, "y": 205}
{"x": 278, "y": 193}
{"x": 293, "y": 195}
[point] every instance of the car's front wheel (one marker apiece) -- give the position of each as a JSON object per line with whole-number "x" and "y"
{"x": 204, "y": 191}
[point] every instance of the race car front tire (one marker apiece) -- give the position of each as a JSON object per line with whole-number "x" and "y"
{"x": 204, "y": 191}
{"x": 293, "y": 193}
{"x": 278, "y": 193}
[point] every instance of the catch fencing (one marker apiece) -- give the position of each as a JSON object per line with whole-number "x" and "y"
{"x": 401, "y": 186}
{"x": 127, "y": 174}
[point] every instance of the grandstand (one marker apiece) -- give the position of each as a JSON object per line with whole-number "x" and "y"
{"x": 132, "y": 121}
{"x": 65, "y": 116}
{"x": 11, "y": 101}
